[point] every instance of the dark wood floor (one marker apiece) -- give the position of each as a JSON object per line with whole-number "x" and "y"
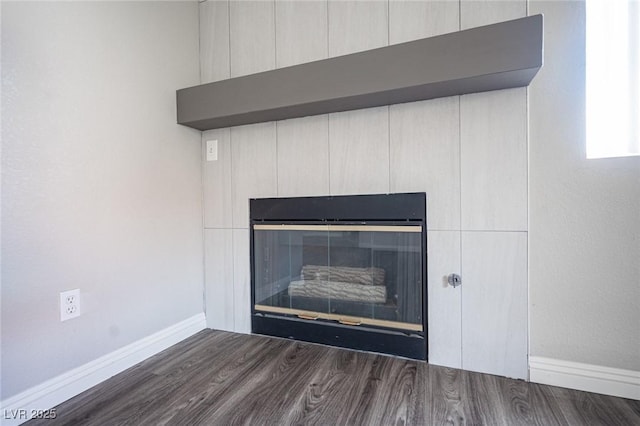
{"x": 220, "y": 378}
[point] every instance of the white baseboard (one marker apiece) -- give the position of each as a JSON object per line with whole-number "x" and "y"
{"x": 585, "y": 377}
{"x": 17, "y": 409}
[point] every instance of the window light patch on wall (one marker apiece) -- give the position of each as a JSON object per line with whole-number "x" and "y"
{"x": 612, "y": 78}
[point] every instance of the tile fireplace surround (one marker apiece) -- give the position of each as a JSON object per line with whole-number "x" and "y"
{"x": 467, "y": 153}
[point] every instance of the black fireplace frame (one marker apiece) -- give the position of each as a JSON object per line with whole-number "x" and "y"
{"x": 406, "y": 208}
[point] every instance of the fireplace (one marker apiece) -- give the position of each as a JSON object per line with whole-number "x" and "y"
{"x": 347, "y": 271}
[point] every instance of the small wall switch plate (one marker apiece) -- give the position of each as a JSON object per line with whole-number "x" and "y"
{"x": 69, "y": 304}
{"x": 212, "y": 150}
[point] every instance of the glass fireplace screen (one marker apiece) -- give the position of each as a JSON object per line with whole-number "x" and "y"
{"x": 365, "y": 274}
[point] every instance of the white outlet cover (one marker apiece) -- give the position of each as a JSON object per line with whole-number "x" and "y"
{"x": 212, "y": 150}
{"x": 69, "y": 304}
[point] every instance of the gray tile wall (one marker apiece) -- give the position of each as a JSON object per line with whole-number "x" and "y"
{"x": 469, "y": 153}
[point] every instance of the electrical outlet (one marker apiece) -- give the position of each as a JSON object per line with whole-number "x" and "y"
{"x": 212, "y": 150}
{"x": 69, "y": 304}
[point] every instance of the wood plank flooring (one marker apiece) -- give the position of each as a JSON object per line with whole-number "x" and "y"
{"x": 220, "y": 378}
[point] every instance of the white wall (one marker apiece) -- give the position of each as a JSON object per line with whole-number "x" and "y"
{"x": 584, "y": 215}
{"x": 1, "y": 97}
{"x": 101, "y": 190}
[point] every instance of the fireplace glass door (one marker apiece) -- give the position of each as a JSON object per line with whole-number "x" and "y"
{"x": 367, "y": 274}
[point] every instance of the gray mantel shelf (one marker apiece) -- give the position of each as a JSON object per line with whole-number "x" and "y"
{"x": 498, "y": 56}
